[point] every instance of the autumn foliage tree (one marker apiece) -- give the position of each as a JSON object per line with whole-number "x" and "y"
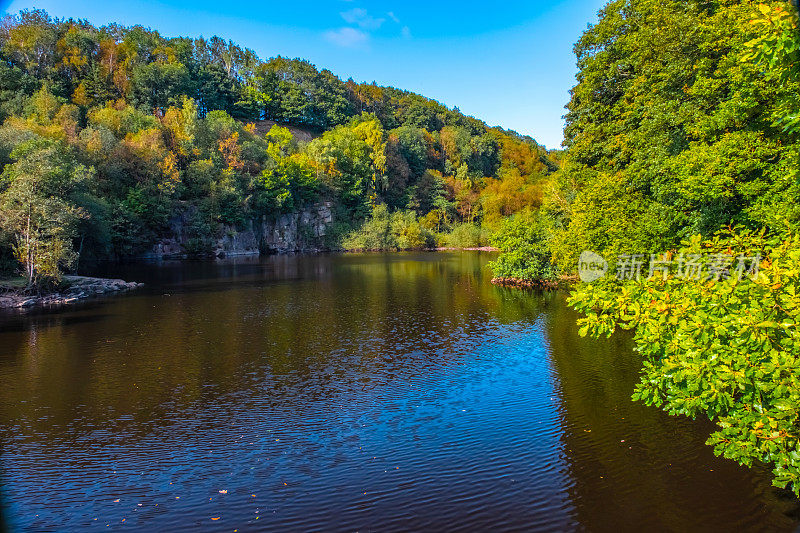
{"x": 180, "y": 130}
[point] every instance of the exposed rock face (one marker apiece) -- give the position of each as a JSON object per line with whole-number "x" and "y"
{"x": 77, "y": 288}
{"x": 300, "y": 134}
{"x": 303, "y": 231}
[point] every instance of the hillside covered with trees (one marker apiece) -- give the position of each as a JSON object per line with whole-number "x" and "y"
{"x": 682, "y": 152}
{"x": 108, "y": 133}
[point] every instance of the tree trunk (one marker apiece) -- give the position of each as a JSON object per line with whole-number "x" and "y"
{"x": 28, "y": 250}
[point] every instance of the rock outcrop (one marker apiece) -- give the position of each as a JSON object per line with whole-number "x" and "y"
{"x": 302, "y": 231}
{"x": 76, "y": 288}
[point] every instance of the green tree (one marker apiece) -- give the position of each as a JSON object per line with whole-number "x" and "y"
{"x": 159, "y": 85}
{"x": 352, "y": 160}
{"x": 287, "y": 184}
{"x": 38, "y": 207}
{"x": 413, "y": 148}
{"x": 387, "y": 231}
{"x": 721, "y": 343}
{"x": 525, "y": 255}
{"x": 777, "y": 50}
{"x": 671, "y": 113}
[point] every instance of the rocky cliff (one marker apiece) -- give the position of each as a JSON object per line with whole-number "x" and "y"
{"x": 302, "y": 231}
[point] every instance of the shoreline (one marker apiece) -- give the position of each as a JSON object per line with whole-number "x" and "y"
{"x": 78, "y": 288}
{"x": 476, "y": 249}
{"x": 310, "y": 251}
{"x": 563, "y": 282}
{"x": 438, "y": 249}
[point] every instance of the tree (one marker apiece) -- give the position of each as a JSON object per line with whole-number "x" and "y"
{"x": 413, "y": 147}
{"x": 31, "y": 43}
{"x": 352, "y": 160}
{"x": 38, "y": 207}
{"x": 525, "y": 256}
{"x": 777, "y": 51}
{"x": 156, "y": 86}
{"x": 216, "y": 89}
{"x": 721, "y": 342}
{"x": 508, "y": 195}
{"x": 672, "y": 113}
{"x": 287, "y": 184}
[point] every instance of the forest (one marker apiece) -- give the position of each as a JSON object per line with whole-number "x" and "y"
{"x": 109, "y": 133}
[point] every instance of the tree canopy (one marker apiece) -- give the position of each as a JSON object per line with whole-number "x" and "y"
{"x": 206, "y": 131}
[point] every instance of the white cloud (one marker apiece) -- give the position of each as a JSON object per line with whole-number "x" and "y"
{"x": 362, "y": 19}
{"x": 405, "y": 31}
{"x": 347, "y": 37}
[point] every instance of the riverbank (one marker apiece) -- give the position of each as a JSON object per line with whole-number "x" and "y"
{"x": 563, "y": 282}
{"x": 477, "y": 249}
{"x": 73, "y": 289}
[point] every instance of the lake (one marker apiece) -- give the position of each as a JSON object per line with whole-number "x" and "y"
{"x": 374, "y": 392}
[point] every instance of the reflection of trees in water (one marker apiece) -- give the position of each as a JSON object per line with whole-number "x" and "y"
{"x": 340, "y": 326}
{"x": 522, "y": 305}
{"x": 663, "y": 476}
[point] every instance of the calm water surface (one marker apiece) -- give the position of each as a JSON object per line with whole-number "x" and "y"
{"x": 346, "y": 393}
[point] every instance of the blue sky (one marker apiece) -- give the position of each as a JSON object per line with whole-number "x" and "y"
{"x": 508, "y": 63}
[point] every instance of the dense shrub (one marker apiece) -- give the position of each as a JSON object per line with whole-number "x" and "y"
{"x": 465, "y": 236}
{"x": 389, "y": 231}
{"x": 525, "y": 254}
